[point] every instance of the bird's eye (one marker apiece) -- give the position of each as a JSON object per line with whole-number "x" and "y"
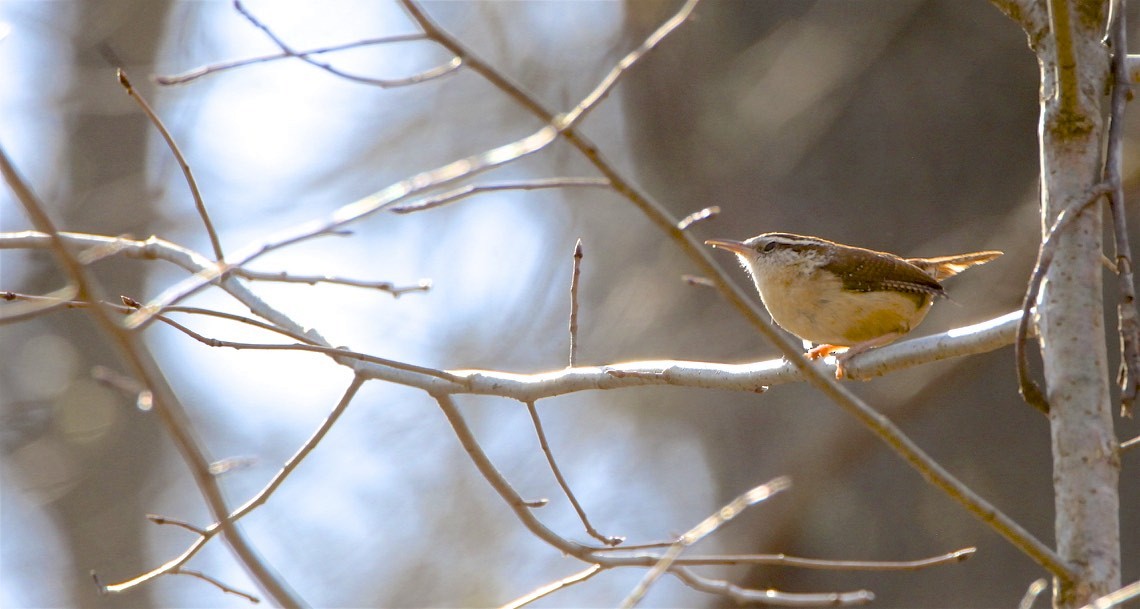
{"x": 769, "y": 246}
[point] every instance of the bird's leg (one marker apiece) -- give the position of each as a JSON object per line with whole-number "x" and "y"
{"x": 853, "y": 350}
{"x": 821, "y": 351}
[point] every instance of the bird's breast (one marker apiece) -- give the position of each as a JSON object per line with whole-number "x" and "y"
{"x": 813, "y": 305}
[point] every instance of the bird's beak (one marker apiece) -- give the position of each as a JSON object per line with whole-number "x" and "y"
{"x": 736, "y": 247}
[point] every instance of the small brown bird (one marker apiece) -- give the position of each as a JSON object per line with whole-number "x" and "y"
{"x": 839, "y": 296}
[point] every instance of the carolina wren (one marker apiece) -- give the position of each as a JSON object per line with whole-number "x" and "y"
{"x": 837, "y": 295}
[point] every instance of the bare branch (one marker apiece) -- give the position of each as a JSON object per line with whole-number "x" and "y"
{"x": 463, "y": 192}
{"x": 1129, "y": 324}
{"x": 574, "y": 277}
{"x": 798, "y": 562}
{"x": 774, "y": 598}
{"x": 185, "y": 77}
{"x": 186, "y": 172}
{"x": 160, "y": 520}
{"x": 553, "y": 587}
{"x": 30, "y": 308}
{"x": 557, "y": 471}
{"x": 1029, "y": 389}
{"x": 700, "y": 215}
{"x": 224, "y": 588}
{"x": 384, "y": 286}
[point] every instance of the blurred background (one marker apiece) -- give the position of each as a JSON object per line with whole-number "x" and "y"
{"x": 908, "y": 126}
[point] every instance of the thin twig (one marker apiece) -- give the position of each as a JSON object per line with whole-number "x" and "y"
{"x": 733, "y": 509}
{"x": 229, "y": 464}
{"x": 186, "y": 172}
{"x": 1030, "y": 391}
{"x": 185, "y": 77}
{"x": 464, "y": 192}
{"x": 553, "y": 587}
{"x": 821, "y": 564}
{"x": 557, "y": 471}
{"x": 171, "y": 412}
{"x": 1129, "y": 324}
{"x": 182, "y": 524}
{"x": 211, "y": 580}
{"x": 34, "y": 308}
{"x": 396, "y": 291}
{"x": 700, "y": 215}
{"x": 442, "y": 70}
{"x": 574, "y": 277}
